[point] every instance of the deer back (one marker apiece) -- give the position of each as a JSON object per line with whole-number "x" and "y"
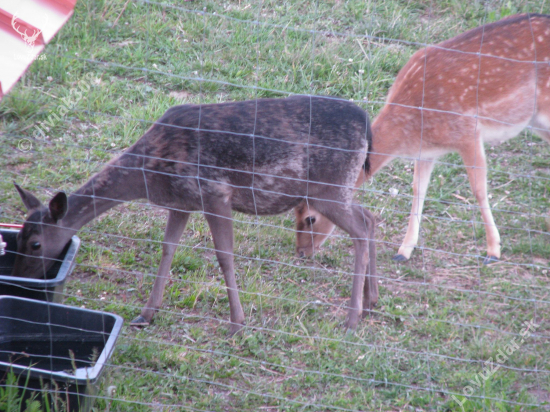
{"x": 265, "y": 155}
{"x": 493, "y": 80}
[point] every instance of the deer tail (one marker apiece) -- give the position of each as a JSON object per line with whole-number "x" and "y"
{"x": 366, "y": 165}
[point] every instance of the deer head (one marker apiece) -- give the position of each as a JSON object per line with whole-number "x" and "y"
{"x": 42, "y": 238}
{"x": 28, "y": 39}
{"x": 312, "y": 229}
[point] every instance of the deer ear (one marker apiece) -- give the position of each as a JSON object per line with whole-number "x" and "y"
{"x": 58, "y": 206}
{"x": 29, "y": 200}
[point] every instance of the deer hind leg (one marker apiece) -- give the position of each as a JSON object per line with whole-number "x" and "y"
{"x": 421, "y": 179}
{"x": 359, "y": 224}
{"x": 218, "y": 216}
{"x": 476, "y": 166}
{"x": 174, "y": 228}
{"x": 370, "y": 290}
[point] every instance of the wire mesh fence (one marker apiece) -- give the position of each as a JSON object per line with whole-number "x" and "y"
{"x": 448, "y": 332}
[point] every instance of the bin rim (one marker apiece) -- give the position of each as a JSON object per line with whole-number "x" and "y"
{"x": 81, "y": 375}
{"x": 66, "y": 267}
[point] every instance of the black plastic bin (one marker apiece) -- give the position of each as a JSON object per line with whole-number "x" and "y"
{"x": 59, "y": 351}
{"x": 49, "y": 289}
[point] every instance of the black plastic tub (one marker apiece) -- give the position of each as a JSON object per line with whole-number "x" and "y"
{"x": 49, "y": 289}
{"x": 57, "y": 352}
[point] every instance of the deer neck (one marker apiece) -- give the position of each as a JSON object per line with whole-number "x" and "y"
{"x": 112, "y": 186}
{"x": 388, "y": 139}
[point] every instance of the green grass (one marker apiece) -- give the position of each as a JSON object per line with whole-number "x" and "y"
{"x": 440, "y": 316}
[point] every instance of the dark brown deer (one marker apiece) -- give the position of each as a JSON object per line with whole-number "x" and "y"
{"x": 485, "y": 85}
{"x": 258, "y": 157}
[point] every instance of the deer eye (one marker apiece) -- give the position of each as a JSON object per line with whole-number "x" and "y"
{"x": 310, "y": 220}
{"x": 35, "y": 246}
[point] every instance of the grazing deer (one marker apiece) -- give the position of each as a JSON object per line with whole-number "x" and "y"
{"x": 485, "y": 85}
{"x": 258, "y": 157}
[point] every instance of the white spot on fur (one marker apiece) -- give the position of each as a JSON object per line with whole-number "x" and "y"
{"x": 413, "y": 70}
{"x": 226, "y": 190}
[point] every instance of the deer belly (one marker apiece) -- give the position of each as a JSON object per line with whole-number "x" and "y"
{"x": 495, "y": 133}
{"x": 542, "y": 122}
{"x": 256, "y": 201}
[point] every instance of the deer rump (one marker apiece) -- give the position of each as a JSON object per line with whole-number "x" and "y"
{"x": 263, "y": 156}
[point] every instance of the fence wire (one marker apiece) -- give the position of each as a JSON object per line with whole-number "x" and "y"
{"x": 448, "y": 332}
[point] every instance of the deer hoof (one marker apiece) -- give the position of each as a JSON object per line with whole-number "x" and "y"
{"x": 489, "y": 259}
{"x": 351, "y": 323}
{"x": 368, "y": 310}
{"x": 350, "y": 331}
{"x": 399, "y": 258}
{"x": 235, "y": 329}
{"x": 140, "y": 321}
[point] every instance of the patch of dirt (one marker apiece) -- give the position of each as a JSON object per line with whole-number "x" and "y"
{"x": 18, "y": 167}
{"x": 542, "y": 396}
{"x": 181, "y": 95}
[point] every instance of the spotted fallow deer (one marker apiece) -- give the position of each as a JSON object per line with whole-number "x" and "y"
{"x": 258, "y": 157}
{"x": 483, "y": 86}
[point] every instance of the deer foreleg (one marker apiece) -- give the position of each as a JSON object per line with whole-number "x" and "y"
{"x": 174, "y": 229}
{"x": 422, "y": 171}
